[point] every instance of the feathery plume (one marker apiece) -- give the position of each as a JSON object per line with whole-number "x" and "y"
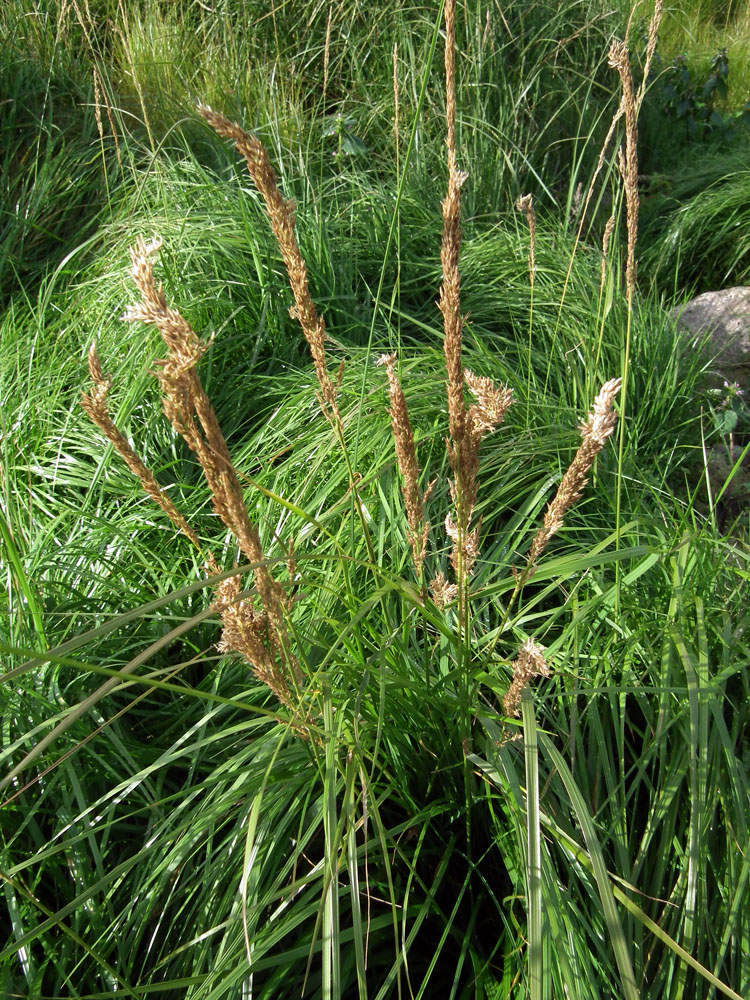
{"x": 482, "y": 418}
{"x": 442, "y": 591}
{"x": 594, "y": 433}
{"x": 490, "y": 408}
{"x": 466, "y": 427}
{"x": 525, "y": 204}
{"x": 450, "y": 304}
{"x": 628, "y": 162}
{"x": 190, "y": 412}
{"x": 629, "y": 105}
{"x": 247, "y": 631}
{"x": 450, "y": 290}
{"x": 653, "y": 38}
{"x": 606, "y": 237}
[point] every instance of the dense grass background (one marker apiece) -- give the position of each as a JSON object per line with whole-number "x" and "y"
{"x": 176, "y": 838}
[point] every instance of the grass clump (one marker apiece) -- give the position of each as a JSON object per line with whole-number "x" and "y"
{"x": 403, "y": 706}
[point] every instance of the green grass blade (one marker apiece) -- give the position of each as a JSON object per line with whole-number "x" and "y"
{"x": 604, "y": 884}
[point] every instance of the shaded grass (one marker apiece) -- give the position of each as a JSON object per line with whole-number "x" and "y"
{"x": 697, "y": 237}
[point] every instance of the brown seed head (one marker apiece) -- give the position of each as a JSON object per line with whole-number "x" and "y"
{"x": 281, "y": 217}
{"x": 595, "y": 430}
{"x": 529, "y": 663}
{"x": 407, "y": 462}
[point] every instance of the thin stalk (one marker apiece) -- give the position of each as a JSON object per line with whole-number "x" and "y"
{"x": 533, "y": 849}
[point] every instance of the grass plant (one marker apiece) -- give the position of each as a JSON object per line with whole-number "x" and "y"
{"x": 376, "y": 699}
{"x": 698, "y": 239}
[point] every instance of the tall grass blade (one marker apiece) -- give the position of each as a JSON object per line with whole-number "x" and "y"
{"x": 604, "y": 884}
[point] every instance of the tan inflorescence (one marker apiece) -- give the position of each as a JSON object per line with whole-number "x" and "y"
{"x": 407, "y": 463}
{"x": 260, "y": 635}
{"x": 254, "y": 621}
{"x": 529, "y": 663}
{"x": 465, "y": 427}
{"x": 525, "y": 204}
{"x": 248, "y": 631}
{"x": 95, "y": 405}
{"x": 594, "y": 433}
{"x": 280, "y": 213}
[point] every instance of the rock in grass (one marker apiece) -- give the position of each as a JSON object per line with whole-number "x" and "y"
{"x": 725, "y": 316}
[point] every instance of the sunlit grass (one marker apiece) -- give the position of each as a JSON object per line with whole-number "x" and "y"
{"x": 176, "y": 835}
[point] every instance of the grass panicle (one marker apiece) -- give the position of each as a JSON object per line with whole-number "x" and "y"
{"x": 606, "y": 237}
{"x": 598, "y": 426}
{"x": 465, "y": 428}
{"x": 190, "y": 412}
{"x": 406, "y": 457}
{"x": 302, "y": 777}
{"x": 249, "y": 632}
{"x": 525, "y": 204}
{"x": 529, "y": 663}
{"x": 281, "y": 217}
{"x": 619, "y": 59}
{"x": 95, "y": 405}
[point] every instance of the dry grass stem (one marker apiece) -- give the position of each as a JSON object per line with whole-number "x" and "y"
{"x": 597, "y": 170}
{"x": 407, "y": 463}
{"x": 190, "y": 412}
{"x": 95, "y": 405}
{"x": 281, "y": 217}
{"x": 526, "y": 204}
{"x": 450, "y": 290}
{"x": 396, "y": 102}
{"x": 449, "y": 15}
{"x": 98, "y": 94}
{"x": 629, "y": 106}
{"x": 449, "y": 304}
{"x": 529, "y": 663}
{"x": 327, "y": 52}
{"x": 653, "y": 38}
{"x": 594, "y": 433}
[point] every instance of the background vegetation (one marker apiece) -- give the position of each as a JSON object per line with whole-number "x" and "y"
{"x": 170, "y": 835}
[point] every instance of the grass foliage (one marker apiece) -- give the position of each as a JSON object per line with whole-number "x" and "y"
{"x": 379, "y": 822}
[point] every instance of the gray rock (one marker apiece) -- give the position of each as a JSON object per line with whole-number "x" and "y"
{"x": 725, "y": 317}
